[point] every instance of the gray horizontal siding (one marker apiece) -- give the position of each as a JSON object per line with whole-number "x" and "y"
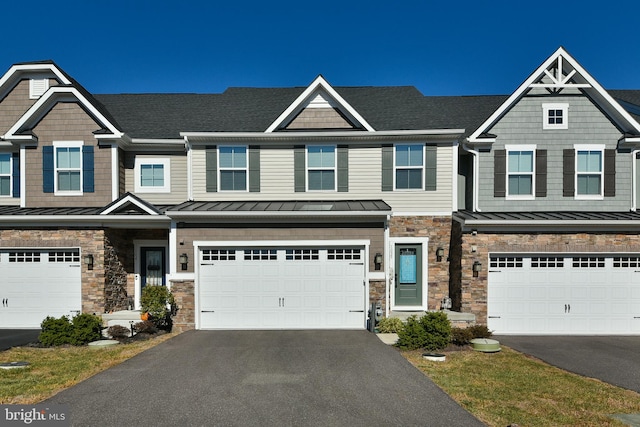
{"x": 523, "y": 125}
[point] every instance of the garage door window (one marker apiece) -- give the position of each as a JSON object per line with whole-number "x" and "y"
{"x": 261, "y": 255}
{"x": 24, "y": 256}
{"x": 626, "y": 262}
{"x": 302, "y": 254}
{"x": 505, "y": 262}
{"x": 588, "y": 262}
{"x": 218, "y": 255}
{"x": 547, "y": 262}
{"x": 343, "y": 254}
{"x": 64, "y": 256}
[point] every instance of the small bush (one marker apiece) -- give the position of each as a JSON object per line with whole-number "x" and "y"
{"x": 480, "y": 331}
{"x": 431, "y": 332}
{"x": 145, "y": 327}
{"x": 118, "y": 332}
{"x": 412, "y": 336}
{"x": 390, "y": 325}
{"x": 55, "y": 331}
{"x": 86, "y": 328}
{"x": 461, "y": 336}
{"x": 158, "y": 301}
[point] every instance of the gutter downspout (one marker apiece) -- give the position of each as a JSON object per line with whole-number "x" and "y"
{"x": 387, "y": 269}
{"x": 634, "y": 180}
{"x": 476, "y": 161}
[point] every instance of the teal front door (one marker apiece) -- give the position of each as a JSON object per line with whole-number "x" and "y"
{"x": 408, "y": 277}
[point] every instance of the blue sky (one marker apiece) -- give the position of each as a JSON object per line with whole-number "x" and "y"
{"x": 442, "y": 48}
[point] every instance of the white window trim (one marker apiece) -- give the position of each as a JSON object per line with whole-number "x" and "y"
{"x": 38, "y": 86}
{"x": 589, "y": 147}
{"x": 246, "y": 169}
{"x": 422, "y": 168}
{"x": 531, "y": 196}
{"x": 322, "y": 168}
{"x": 166, "y": 168}
{"x": 66, "y": 144}
{"x": 555, "y": 106}
{"x": 10, "y": 174}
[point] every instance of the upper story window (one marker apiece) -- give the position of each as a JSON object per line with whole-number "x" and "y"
{"x": 589, "y": 171}
{"x": 68, "y": 167}
{"x": 555, "y": 116}
{"x": 37, "y": 87}
{"x": 409, "y": 166}
{"x": 232, "y": 166}
{"x": 520, "y": 171}
{"x": 152, "y": 175}
{"x": 5, "y": 174}
{"x": 321, "y": 167}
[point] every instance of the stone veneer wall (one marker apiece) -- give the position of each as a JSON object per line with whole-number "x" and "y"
{"x": 184, "y": 294}
{"x": 89, "y": 242}
{"x": 438, "y": 230}
{"x": 474, "y": 289}
{"x": 377, "y": 293}
{"x": 115, "y": 287}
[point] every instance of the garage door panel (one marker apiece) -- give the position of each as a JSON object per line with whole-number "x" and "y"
{"x": 308, "y": 289}
{"x": 585, "y": 294}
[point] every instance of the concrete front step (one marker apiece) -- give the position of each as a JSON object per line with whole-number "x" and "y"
{"x": 123, "y": 318}
{"x": 457, "y": 319}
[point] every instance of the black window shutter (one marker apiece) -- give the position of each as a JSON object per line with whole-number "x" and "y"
{"x": 343, "y": 168}
{"x": 387, "y": 168}
{"x": 609, "y": 173}
{"x": 15, "y": 174}
{"x": 47, "y": 169}
{"x": 254, "y": 169}
{"x": 431, "y": 168}
{"x": 87, "y": 169}
{"x": 299, "y": 170}
{"x": 541, "y": 173}
{"x": 211, "y": 167}
{"x": 499, "y": 173}
{"x": 568, "y": 172}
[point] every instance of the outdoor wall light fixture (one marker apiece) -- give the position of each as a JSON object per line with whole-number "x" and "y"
{"x": 88, "y": 261}
{"x": 477, "y": 266}
{"x": 183, "y": 259}
{"x": 377, "y": 260}
{"x": 439, "y": 253}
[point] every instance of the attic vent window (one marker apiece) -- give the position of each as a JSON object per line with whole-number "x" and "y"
{"x": 556, "y": 116}
{"x": 37, "y": 87}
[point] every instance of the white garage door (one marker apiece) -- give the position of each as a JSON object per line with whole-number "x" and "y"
{"x": 560, "y": 294}
{"x": 282, "y": 288}
{"x": 37, "y": 283}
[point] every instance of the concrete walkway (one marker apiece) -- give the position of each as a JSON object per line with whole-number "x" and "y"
{"x": 266, "y": 378}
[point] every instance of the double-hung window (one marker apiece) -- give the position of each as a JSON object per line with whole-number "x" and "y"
{"x": 68, "y": 167}
{"x": 589, "y": 171}
{"x": 233, "y": 168}
{"x": 321, "y": 167}
{"x": 409, "y": 166}
{"x": 520, "y": 172}
{"x": 555, "y": 116}
{"x": 152, "y": 175}
{"x": 5, "y": 174}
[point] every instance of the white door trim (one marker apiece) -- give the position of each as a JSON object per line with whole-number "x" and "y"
{"x": 424, "y": 241}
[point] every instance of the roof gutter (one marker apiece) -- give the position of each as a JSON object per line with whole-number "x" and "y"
{"x": 93, "y": 221}
{"x": 286, "y": 136}
{"x": 274, "y": 214}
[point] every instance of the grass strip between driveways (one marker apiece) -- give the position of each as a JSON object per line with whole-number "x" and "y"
{"x": 51, "y": 370}
{"x": 509, "y": 387}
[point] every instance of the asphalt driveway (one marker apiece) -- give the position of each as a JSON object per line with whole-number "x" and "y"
{"x": 283, "y": 378}
{"x": 612, "y": 359}
{"x": 17, "y": 337}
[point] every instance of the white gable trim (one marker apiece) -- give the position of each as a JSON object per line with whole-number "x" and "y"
{"x": 126, "y": 200}
{"x": 46, "y": 102}
{"x": 317, "y": 84}
{"x": 558, "y": 56}
{"x": 22, "y": 68}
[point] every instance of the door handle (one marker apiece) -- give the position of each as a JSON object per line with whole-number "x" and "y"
{"x": 283, "y": 302}
{"x": 5, "y": 302}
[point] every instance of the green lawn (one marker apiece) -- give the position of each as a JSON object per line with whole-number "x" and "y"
{"x": 511, "y": 388}
{"x": 53, "y": 369}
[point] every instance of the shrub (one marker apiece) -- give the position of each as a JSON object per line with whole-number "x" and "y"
{"x": 118, "y": 331}
{"x": 438, "y": 329}
{"x": 158, "y": 301}
{"x": 480, "y": 331}
{"x": 461, "y": 336}
{"x": 146, "y": 326}
{"x": 55, "y": 331}
{"x": 390, "y": 325}
{"x": 86, "y": 328}
{"x": 431, "y": 332}
{"x": 80, "y": 330}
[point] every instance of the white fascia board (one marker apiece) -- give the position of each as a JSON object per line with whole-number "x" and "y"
{"x": 20, "y": 68}
{"x": 118, "y": 221}
{"x": 538, "y": 225}
{"x": 42, "y": 102}
{"x": 273, "y": 214}
{"x": 319, "y": 82}
{"x": 297, "y": 136}
{"x": 419, "y": 213}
